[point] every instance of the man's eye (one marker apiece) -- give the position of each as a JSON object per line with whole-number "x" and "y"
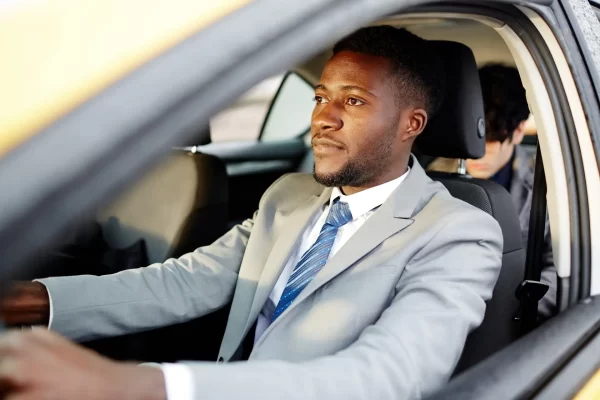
{"x": 354, "y": 102}
{"x": 320, "y": 100}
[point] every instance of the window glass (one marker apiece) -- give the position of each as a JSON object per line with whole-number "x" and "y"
{"x": 244, "y": 119}
{"x": 290, "y": 113}
{"x": 290, "y": 101}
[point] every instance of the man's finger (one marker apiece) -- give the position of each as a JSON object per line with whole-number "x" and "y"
{"x": 45, "y": 337}
{"x": 13, "y": 342}
{"x": 11, "y": 374}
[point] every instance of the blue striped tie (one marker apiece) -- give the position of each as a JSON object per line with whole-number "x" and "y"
{"x": 315, "y": 258}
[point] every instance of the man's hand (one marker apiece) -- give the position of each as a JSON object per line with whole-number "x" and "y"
{"x": 25, "y": 303}
{"x": 39, "y": 364}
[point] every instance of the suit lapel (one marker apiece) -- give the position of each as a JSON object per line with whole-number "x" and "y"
{"x": 294, "y": 224}
{"x": 394, "y": 215}
{"x": 376, "y": 229}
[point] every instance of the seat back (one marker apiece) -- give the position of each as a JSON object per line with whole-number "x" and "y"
{"x": 179, "y": 205}
{"x": 499, "y": 327}
{"x": 458, "y": 131}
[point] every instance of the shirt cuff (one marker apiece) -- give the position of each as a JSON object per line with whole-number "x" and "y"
{"x": 179, "y": 381}
{"x": 50, "y": 302}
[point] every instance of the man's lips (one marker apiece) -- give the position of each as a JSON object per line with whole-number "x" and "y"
{"x": 323, "y": 144}
{"x": 325, "y": 148}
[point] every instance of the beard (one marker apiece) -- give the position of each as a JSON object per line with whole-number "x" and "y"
{"x": 359, "y": 171}
{"x": 351, "y": 174}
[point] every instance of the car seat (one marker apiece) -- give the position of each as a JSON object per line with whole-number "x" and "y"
{"x": 458, "y": 131}
{"x": 181, "y": 204}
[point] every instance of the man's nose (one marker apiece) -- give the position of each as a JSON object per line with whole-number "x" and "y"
{"x": 327, "y": 119}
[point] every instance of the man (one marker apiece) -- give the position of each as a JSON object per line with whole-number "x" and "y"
{"x": 362, "y": 282}
{"x": 506, "y": 114}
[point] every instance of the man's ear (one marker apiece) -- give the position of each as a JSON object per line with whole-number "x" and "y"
{"x": 519, "y": 133}
{"x": 414, "y": 124}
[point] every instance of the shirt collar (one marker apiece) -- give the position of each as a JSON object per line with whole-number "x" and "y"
{"x": 364, "y": 201}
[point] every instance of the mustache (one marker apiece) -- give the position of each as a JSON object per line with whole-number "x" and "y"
{"x": 326, "y": 140}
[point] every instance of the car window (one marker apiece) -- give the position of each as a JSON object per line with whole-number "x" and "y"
{"x": 244, "y": 119}
{"x": 278, "y": 108}
{"x": 289, "y": 116}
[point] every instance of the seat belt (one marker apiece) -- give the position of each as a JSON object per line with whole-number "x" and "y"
{"x": 531, "y": 290}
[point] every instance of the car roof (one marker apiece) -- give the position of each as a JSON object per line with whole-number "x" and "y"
{"x": 69, "y": 50}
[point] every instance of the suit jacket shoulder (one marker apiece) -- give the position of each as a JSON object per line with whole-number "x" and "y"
{"x": 289, "y": 191}
{"x": 439, "y": 205}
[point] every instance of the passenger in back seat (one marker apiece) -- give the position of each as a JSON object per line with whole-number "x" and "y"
{"x": 506, "y": 112}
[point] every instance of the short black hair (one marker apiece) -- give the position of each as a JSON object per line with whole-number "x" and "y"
{"x": 504, "y": 101}
{"x": 417, "y": 67}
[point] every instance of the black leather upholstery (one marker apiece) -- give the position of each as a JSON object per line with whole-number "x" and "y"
{"x": 458, "y": 131}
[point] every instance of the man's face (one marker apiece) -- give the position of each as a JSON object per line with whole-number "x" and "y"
{"x": 355, "y": 121}
{"x": 497, "y": 154}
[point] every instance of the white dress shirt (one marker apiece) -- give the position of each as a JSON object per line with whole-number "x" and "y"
{"x": 179, "y": 378}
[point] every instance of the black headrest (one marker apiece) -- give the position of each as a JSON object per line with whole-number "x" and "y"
{"x": 458, "y": 128}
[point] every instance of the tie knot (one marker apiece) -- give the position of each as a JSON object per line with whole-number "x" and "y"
{"x": 339, "y": 214}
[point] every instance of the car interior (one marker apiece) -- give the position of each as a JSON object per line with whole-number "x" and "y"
{"x": 193, "y": 184}
{"x": 205, "y": 186}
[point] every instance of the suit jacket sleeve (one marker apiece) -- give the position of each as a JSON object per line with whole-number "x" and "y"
{"x": 410, "y": 351}
{"x": 88, "y": 307}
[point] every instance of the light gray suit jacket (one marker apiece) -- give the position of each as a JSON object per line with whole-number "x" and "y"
{"x": 386, "y": 318}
